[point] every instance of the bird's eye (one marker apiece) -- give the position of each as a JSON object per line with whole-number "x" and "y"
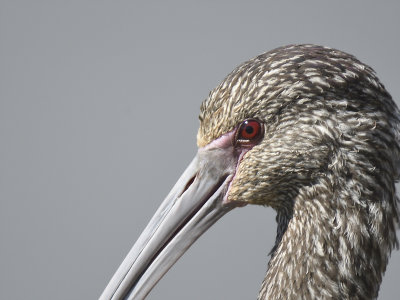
{"x": 250, "y": 131}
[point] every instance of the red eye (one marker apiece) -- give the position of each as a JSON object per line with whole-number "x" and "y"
{"x": 250, "y": 130}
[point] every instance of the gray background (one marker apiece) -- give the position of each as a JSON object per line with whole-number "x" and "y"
{"x": 98, "y": 117}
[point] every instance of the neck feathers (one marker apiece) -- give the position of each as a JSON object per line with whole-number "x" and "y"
{"x": 337, "y": 241}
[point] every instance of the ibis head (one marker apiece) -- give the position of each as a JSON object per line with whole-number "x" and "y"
{"x": 311, "y": 132}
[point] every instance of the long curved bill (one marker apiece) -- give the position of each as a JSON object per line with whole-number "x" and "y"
{"x": 193, "y": 205}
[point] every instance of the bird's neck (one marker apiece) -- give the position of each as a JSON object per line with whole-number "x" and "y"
{"x": 334, "y": 245}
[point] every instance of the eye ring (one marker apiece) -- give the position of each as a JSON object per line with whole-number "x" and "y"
{"x": 249, "y": 132}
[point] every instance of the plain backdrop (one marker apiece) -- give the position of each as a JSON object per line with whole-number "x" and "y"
{"x": 98, "y": 118}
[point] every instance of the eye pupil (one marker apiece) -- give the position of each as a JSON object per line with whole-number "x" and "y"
{"x": 249, "y": 129}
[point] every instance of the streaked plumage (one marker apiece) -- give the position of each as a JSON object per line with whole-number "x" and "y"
{"x": 327, "y": 164}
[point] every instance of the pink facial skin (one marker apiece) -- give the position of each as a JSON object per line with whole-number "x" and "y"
{"x": 234, "y": 152}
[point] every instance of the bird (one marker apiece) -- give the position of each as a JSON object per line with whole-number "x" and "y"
{"x": 311, "y": 132}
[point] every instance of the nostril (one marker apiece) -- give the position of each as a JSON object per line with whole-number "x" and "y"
{"x": 188, "y": 184}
